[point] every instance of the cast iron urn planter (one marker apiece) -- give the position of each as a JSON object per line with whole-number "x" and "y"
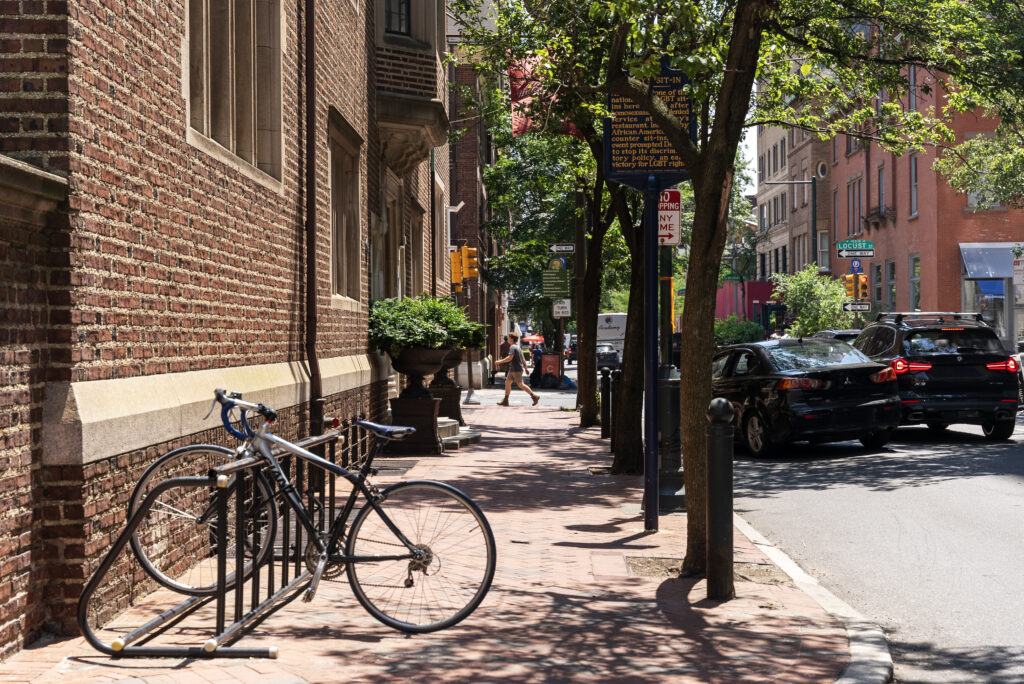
{"x": 414, "y": 363}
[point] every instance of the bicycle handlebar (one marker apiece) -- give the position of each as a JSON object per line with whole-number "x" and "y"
{"x": 230, "y": 400}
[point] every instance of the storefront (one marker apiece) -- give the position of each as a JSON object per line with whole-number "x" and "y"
{"x": 987, "y": 278}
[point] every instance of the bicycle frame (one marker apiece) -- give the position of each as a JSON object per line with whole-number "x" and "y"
{"x": 263, "y": 439}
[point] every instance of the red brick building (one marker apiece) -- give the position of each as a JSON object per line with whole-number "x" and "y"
{"x": 174, "y": 202}
{"x": 935, "y": 250}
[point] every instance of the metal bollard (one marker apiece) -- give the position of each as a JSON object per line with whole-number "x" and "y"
{"x": 606, "y": 398}
{"x": 719, "y": 503}
{"x": 616, "y": 379}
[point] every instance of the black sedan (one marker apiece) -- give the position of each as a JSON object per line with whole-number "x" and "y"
{"x": 806, "y": 389}
{"x": 607, "y": 357}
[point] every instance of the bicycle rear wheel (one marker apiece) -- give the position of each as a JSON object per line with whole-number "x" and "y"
{"x": 457, "y": 565}
{"x": 176, "y": 542}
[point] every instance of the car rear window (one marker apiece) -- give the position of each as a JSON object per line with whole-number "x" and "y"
{"x": 812, "y": 355}
{"x": 952, "y": 341}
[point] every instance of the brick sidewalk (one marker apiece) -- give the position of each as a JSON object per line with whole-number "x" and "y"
{"x": 570, "y": 602}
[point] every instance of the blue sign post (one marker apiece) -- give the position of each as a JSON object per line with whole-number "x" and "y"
{"x": 637, "y": 153}
{"x": 855, "y": 266}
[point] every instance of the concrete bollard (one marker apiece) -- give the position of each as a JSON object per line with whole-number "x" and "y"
{"x": 719, "y": 501}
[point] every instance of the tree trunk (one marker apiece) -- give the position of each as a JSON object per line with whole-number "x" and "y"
{"x": 698, "y": 324}
{"x": 628, "y": 409}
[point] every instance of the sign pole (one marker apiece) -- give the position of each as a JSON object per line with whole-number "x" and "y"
{"x": 650, "y": 236}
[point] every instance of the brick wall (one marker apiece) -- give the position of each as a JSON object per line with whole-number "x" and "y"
{"x": 28, "y": 222}
{"x": 34, "y": 82}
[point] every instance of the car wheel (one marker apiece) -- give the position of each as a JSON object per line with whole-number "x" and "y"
{"x": 937, "y": 427}
{"x": 998, "y": 430}
{"x": 755, "y": 435}
{"x": 876, "y": 440}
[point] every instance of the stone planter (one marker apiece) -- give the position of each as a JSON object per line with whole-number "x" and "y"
{"x": 416, "y": 363}
{"x": 447, "y": 390}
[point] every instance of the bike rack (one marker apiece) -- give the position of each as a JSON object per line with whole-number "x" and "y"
{"x": 307, "y": 484}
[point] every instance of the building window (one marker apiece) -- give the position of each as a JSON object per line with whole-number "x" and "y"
{"x": 782, "y": 210}
{"x": 854, "y": 209}
{"x": 764, "y": 216}
{"x": 775, "y": 159}
{"x": 760, "y": 168}
{"x": 346, "y": 236}
{"x": 234, "y": 79}
{"x": 775, "y": 210}
{"x": 782, "y": 153}
{"x": 835, "y": 149}
{"x": 915, "y": 283}
{"x": 396, "y": 17}
{"x": 764, "y": 267}
{"x": 913, "y": 185}
{"x": 890, "y": 284}
{"x": 785, "y": 268}
{"x": 881, "y": 188}
{"x": 912, "y": 88}
{"x": 877, "y": 282}
{"x": 835, "y": 214}
{"x": 776, "y": 251}
{"x": 823, "y": 249}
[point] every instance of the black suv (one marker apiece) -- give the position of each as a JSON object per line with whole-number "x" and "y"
{"x": 950, "y": 367}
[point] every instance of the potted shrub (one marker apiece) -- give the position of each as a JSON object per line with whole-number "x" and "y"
{"x": 412, "y": 332}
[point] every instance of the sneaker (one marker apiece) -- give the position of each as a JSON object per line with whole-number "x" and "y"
{"x": 536, "y": 398}
{"x": 504, "y": 402}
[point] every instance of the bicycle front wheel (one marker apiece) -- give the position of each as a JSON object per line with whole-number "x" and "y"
{"x": 177, "y": 543}
{"x": 455, "y": 569}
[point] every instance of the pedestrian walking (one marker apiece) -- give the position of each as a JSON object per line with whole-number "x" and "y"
{"x": 516, "y": 366}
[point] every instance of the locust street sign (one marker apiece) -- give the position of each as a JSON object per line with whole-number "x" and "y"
{"x": 562, "y": 248}
{"x": 855, "y": 248}
{"x": 857, "y": 306}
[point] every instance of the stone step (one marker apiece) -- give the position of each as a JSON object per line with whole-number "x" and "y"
{"x": 447, "y": 427}
{"x": 465, "y": 437}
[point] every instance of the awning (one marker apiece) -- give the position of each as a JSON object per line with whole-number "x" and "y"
{"x": 987, "y": 259}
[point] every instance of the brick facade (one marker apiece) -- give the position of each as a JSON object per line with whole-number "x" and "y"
{"x": 163, "y": 265}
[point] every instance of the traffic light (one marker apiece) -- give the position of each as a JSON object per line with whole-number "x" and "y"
{"x": 862, "y": 286}
{"x": 469, "y": 262}
{"x": 456, "y": 259}
{"x": 851, "y": 286}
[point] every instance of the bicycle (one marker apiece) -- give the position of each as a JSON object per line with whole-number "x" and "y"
{"x": 419, "y": 555}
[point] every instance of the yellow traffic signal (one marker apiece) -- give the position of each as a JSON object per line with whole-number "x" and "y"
{"x": 862, "y": 286}
{"x": 469, "y": 262}
{"x": 851, "y": 286}
{"x": 456, "y": 259}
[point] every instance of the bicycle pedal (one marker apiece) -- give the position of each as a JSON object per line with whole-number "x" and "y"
{"x": 308, "y": 595}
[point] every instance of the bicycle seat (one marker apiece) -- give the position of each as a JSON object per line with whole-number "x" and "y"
{"x": 387, "y": 431}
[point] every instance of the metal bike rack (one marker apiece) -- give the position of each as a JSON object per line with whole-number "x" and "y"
{"x": 308, "y": 482}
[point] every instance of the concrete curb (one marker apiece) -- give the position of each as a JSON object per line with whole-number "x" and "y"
{"x": 870, "y": 660}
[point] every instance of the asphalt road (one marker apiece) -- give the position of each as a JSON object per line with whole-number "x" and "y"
{"x": 924, "y": 538}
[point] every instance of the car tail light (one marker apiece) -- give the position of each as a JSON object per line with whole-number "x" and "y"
{"x": 1009, "y": 364}
{"x": 798, "y": 384}
{"x": 901, "y": 366}
{"x": 884, "y": 375}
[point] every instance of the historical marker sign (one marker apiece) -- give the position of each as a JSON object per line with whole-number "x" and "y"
{"x": 635, "y": 147}
{"x": 855, "y": 248}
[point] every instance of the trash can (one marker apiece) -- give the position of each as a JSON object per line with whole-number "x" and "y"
{"x": 549, "y": 369}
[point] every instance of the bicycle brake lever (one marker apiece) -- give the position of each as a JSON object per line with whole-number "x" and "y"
{"x": 213, "y": 404}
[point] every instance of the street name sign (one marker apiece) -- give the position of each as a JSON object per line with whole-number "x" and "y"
{"x": 857, "y": 306}
{"x": 855, "y": 248}
{"x": 670, "y": 204}
{"x": 561, "y": 308}
{"x": 562, "y": 248}
{"x": 554, "y": 283}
